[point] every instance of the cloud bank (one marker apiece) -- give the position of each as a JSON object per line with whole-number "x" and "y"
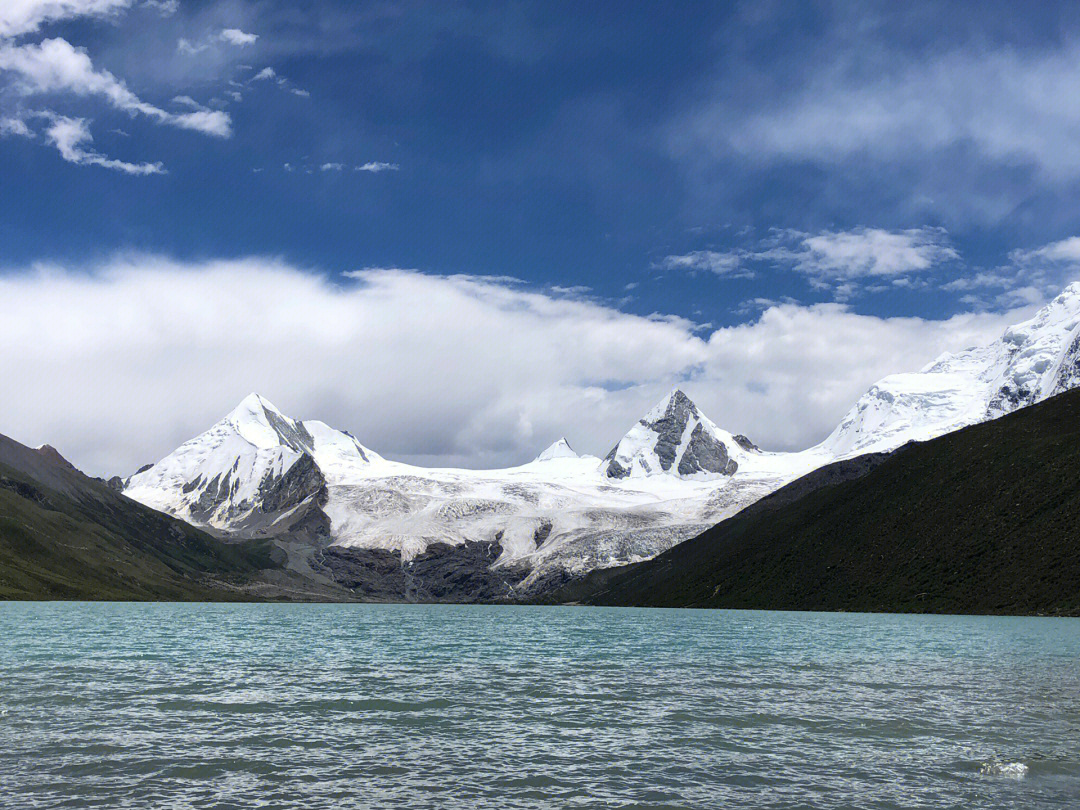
{"x": 119, "y": 363}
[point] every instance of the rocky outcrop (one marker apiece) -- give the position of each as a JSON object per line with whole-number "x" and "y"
{"x": 706, "y": 453}
{"x": 441, "y": 573}
{"x": 301, "y": 481}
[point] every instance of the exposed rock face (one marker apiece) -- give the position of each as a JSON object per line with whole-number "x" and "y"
{"x": 746, "y": 444}
{"x": 706, "y": 453}
{"x": 671, "y": 427}
{"x": 302, "y": 480}
{"x": 614, "y": 469}
{"x": 442, "y": 573}
{"x": 24, "y": 490}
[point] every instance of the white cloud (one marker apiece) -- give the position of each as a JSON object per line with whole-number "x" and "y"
{"x": 378, "y": 166}
{"x": 837, "y": 260}
{"x": 188, "y": 48}
{"x": 54, "y": 65}
{"x": 230, "y": 36}
{"x": 872, "y": 252}
{"x": 297, "y": 91}
{"x": 14, "y": 126}
{"x": 1066, "y": 250}
{"x": 234, "y": 36}
{"x": 188, "y": 101}
{"x": 70, "y": 136}
{"x": 265, "y": 73}
{"x": 1031, "y": 276}
{"x": 406, "y": 361}
{"x": 728, "y": 264}
{"x": 332, "y": 167}
{"x": 1007, "y": 105}
{"x": 166, "y": 8}
{"x": 26, "y": 16}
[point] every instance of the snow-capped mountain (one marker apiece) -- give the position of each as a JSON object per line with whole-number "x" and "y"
{"x": 1031, "y": 361}
{"x": 675, "y": 472}
{"x": 675, "y": 438}
{"x": 256, "y": 470}
{"x": 259, "y": 472}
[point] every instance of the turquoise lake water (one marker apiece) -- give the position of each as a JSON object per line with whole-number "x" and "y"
{"x": 391, "y": 706}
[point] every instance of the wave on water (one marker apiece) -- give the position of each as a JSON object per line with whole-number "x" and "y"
{"x": 1012, "y": 770}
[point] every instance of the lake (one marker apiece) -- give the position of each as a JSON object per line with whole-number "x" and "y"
{"x": 414, "y": 706}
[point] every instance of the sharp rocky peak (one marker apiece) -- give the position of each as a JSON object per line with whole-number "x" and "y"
{"x": 675, "y": 402}
{"x": 52, "y": 454}
{"x": 673, "y": 437}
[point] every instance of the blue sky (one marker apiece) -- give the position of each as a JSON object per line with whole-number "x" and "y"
{"x": 691, "y": 163}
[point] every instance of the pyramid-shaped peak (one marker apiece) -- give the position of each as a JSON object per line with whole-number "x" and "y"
{"x": 559, "y": 449}
{"x": 51, "y": 453}
{"x": 675, "y": 402}
{"x": 255, "y": 405}
{"x": 259, "y": 422}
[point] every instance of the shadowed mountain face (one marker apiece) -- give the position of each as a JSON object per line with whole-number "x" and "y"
{"x": 64, "y": 535}
{"x": 983, "y": 520}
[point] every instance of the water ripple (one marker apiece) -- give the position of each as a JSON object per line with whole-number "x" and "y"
{"x": 327, "y": 706}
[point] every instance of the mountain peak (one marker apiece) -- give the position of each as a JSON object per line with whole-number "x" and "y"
{"x": 676, "y": 400}
{"x": 674, "y": 437}
{"x": 254, "y": 404}
{"x": 52, "y": 454}
{"x": 559, "y": 449}
{"x": 260, "y": 423}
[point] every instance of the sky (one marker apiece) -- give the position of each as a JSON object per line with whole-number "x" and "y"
{"x": 463, "y": 230}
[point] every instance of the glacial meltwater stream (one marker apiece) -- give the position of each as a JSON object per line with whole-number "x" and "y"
{"x": 385, "y": 706}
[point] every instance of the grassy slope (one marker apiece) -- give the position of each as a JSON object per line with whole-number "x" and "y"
{"x": 81, "y": 540}
{"x": 984, "y": 520}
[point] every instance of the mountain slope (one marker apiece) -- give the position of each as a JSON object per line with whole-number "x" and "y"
{"x": 66, "y": 536}
{"x": 1030, "y": 362}
{"x": 980, "y": 520}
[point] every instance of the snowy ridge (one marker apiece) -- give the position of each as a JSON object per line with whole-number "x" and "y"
{"x": 674, "y": 473}
{"x": 1031, "y": 361}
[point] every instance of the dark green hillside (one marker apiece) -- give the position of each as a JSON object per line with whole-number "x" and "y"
{"x": 66, "y": 536}
{"x": 984, "y": 520}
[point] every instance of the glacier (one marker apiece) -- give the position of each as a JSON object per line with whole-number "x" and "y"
{"x": 260, "y": 473}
